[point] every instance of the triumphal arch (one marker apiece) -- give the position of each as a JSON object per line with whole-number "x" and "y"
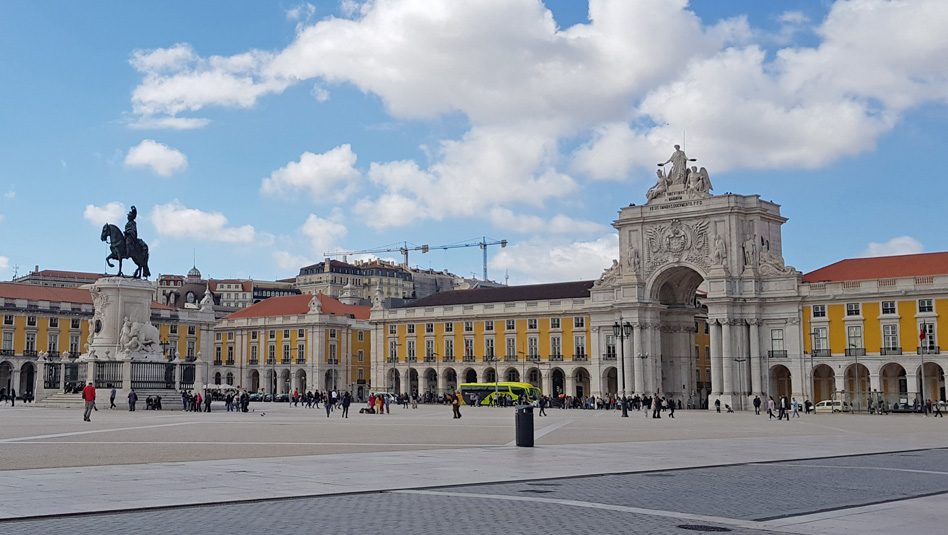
{"x": 688, "y": 253}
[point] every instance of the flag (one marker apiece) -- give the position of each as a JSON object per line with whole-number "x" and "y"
{"x": 921, "y": 336}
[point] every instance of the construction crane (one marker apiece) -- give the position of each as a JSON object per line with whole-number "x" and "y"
{"x": 386, "y": 249}
{"x": 483, "y": 244}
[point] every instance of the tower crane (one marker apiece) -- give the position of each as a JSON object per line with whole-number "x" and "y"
{"x": 386, "y": 249}
{"x": 483, "y": 243}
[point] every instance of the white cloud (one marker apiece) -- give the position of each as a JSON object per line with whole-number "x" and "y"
{"x": 289, "y": 261}
{"x": 503, "y": 218}
{"x": 11, "y": 193}
{"x": 162, "y": 159}
{"x": 540, "y": 261}
{"x": 324, "y": 234}
{"x": 1, "y": 218}
{"x": 113, "y": 213}
{"x": 329, "y": 175}
{"x": 176, "y": 220}
{"x": 901, "y": 245}
{"x": 4, "y": 263}
{"x": 168, "y": 123}
{"x": 302, "y": 11}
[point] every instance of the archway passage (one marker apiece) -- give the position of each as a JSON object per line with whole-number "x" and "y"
{"x": 676, "y": 286}
{"x": 470, "y": 376}
{"x": 672, "y": 363}
{"x": 450, "y": 381}
{"x": 857, "y": 386}
{"x": 581, "y": 378}
{"x": 610, "y": 378}
{"x": 780, "y": 381}
{"x": 431, "y": 380}
{"x": 559, "y": 383}
{"x": 933, "y": 385}
{"x": 254, "y": 381}
{"x": 27, "y": 380}
{"x": 824, "y": 383}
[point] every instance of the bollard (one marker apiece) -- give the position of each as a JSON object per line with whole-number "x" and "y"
{"x": 524, "y": 423}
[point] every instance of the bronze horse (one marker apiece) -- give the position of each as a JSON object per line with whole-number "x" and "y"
{"x": 119, "y": 251}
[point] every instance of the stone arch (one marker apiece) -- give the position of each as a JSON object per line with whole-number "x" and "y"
{"x": 470, "y": 375}
{"x": 676, "y": 284}
{"x": 301, "y": 380}
{"x": 450, "y": 377}
{"x": 430, "y": 380}
{"x": 824, "y": 383}
{"x": 489, "y": 375}
{"x": 511, "y": 374}
{"x": 893, "y": 383}
{"x": 218, "y": 378}
{"x": 558, "y": 381}
{"x": 254, "y": 381}
{"x": 534, "y": 377}
{"x": 857, "y": 385}
{"x": 581, "y": 380}
{"x": 230, "y": 378}
{"x": 780, "y": 381}
{"x": 27, "y": 385}
{"x": 284, "y": 386}
{"x": 610, "y": 381}
{"x": 933, "y": 387}
{"x": 6, "y": 375}
{"x": 394, "y": 381}
{"x": 413, "y": 381}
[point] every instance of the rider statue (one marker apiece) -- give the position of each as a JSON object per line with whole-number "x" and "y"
{"x": 127, "y": 245}
{"x": 131, "y": 234}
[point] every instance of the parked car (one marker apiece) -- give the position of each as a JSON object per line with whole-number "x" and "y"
{"x": 282, "y": 398}
{"x": 256, "y": 396}
{"x": 832, "y": 405}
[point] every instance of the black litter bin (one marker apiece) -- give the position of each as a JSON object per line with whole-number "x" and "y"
{"x": 524, "y": 423}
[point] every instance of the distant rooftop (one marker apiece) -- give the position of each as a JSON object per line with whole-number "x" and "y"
{"x": 503, "y": 294}
{"x": 881, "y": 267}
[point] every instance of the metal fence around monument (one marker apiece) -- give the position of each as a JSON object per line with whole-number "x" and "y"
{"x": 52, "y": 375}
{"x": 152, "y": 376}
{"x": 108, "y": 374}
{"x": 187, "y": 376}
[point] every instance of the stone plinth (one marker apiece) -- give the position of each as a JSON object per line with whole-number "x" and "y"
{"x": 121, "y": 327}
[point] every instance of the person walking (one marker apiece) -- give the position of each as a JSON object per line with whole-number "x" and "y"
{"x": 717, "y": 405}
{"x": 542, "y": 403}
{"x": 88, "y": 396}
{"x": 757, "y": 405}
{"x": 328, "y": 406}
{"x": 796, "y": 408}
{"x": 671, "y": 408}
{"x": 12, "y": 397}
{"x": 346, "y": 401}
{"x": 112, "y": 399}
{"x": 770, "y": 408}
{"x": 456, "y": 405}
{"x": 784, "y": 411}
{"x": 937, "y": 408}
{"x": 132, "y": 399}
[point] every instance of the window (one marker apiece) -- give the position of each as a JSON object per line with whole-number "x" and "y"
{"x": 854, "y": 336}
{"x": 821, "y": 339}
{"x": 253, "y": 354}
{"x": 411, "y": 328}
{"x": 301, "y": 333}
{"x": 556, "y": 346}
{"x": 468, "y": 326}
{"x": 533, "y": 347}
{"x": 361, "y": 336}
{"x": 191, "y": 349}
{"x": 776, "y": 339}
{"x": 488, "y": 348}
{"x": 52, "y": 343}
{"x": 888, "y": 307}
{"x": 579, "y": 323}
{"x": 217, "y": 336}
{"x": 173, "y": 329}
{"x": 393, "y": 351}
{"x": 74, "y": 324}
{"x": 332, "y": 333}
{"x": 469, "y": 348}
{"x": 579, "y": 345}
{"x": 925, "y": 305}
{"x": 890, "y": 336}
{"x": 554, "y": 323}
{"x": 531, "y": 324}
{"x": 852, "y": 309}
{"x": 410, "y": 348}
{"x": 511, "y": 347}
{"x": 429, "y": 349}
{"x": 300, "y": 354}
{"x": 611, "y": 346}
{"x": 511, "y": 325}
{"x": 333, "y": 358}
{"x": 393, "y": 329}
{"x": 271, "y": 354}
{"x": 429, "y": 328}
{"x": 286, "y": 333}
{"x": 217, "y": 355}
{"x": 819, "y": 311}
{"x": 449, "y": 349}
{"x": 449, "y": 327}
{"x": 54, "y": 322}
{"x": 253, "y": 335}
{"x": 361, "y": 374}
{"x": 7, "y": 341}
{"x": 74, "y": 344}
{"x": 8, "y": 319}
{"x": 272, "y": 334}
{"x": 31, "y": 321}
{"x": 191, "y": 330}
{"x": 360, "y": 358}
{"x": 230, "y": 336}
{"x": 928, "y": 342}
{"x": 488, "y": 325}
{"x": 31, "y": 341}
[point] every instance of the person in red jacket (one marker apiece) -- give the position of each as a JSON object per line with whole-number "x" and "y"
{"x": 88, "y": 395}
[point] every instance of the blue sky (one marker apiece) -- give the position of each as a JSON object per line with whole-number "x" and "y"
{"x": 255, "y": 136}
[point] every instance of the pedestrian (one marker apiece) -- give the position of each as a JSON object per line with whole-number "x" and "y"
{"x": 770, "y": 408}
{"x": 207, "y": 403}
{"x": 671, "y": 409}
{"x": 380, "y": 404}
{"x": 757, "y": 405}
{"x": 112, "y": 399}
{"x": 414, "y": 400}
{"x": 783, "y": 411}
{"x": 328, "y": 407}
{"x": 542, "y": 403}
{"x": 12, "y": 397}
{"x": 937, "y": 407}
{"x": 456, "y": 405}
{"x": 88, "y": 396}
{"x": 132, "y": 399}
{"x": 3, "y": 395}
{"x": 388, "y": 404}
{"x": 796, "y": 408}
{"x": 717, "y": 405}
{"x": 346, "y": 401}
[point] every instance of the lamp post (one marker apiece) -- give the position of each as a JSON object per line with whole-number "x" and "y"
{"x": 740, "y": 378}
{"x": 921, "y": 353}
{"x": 622, "y": 330}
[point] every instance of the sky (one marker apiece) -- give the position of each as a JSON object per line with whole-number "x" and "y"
{"x": 254, "y": 137}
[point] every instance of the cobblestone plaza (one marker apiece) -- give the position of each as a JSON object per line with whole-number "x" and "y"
{"x": 285, "y": 468}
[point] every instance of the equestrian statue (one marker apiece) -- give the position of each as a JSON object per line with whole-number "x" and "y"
{"x": 127, "y": 245}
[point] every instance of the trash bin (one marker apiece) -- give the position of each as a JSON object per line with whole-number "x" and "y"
{"x": 524, "y": 423}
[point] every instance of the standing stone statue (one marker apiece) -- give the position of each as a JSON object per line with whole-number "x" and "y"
{"x": 679, "y": 170}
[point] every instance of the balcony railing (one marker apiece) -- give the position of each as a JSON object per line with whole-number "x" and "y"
{"x": 609, "y": 356}
{"x": 856, "y": 352}
{"x": 412, "y": 358}
{"x": 254, "y": 362}
{"x": 271, "y": 360}
{"x": 533, "y": 358}
{"x": 510, "y": 358}
{"x": 52, "y": 354}
{"x": 217, "y": 362}
{"x": 29, "y": 353}
{"x": 392, "y": 360}
{"x": 6, "y": 352}
{"x": 448, "y": 358}
{"x": 229, "y": 362}
{"x": 891, "y": 351}
{"x": 556, "y": 358}
{"x": 468, "y": 358}
{"x": 930, "y": 350}
{"x": 579, "y": 357}
{"x": 777, "y": 353}
{"x": 301, "y": 360}
{"x": 431, "y": 358}
{"x": 822, "y": 353}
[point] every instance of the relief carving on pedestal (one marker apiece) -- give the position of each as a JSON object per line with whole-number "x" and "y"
{"x": 677, "y": 242}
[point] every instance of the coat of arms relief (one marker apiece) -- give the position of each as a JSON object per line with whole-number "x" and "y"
{"x": 677, "y": 242}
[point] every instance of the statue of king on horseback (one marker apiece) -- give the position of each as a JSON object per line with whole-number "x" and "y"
{"x": 127, "y": 245}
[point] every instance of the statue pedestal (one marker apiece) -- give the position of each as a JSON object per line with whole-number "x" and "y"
{"x": 122, "y": 303}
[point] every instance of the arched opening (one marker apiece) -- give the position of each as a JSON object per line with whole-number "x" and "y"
{"x": 559, "y": 382}
{"x": 27, "y": 380}
{"x": 431, "y": 380}
{"x": 931, "y": 382}
{"x": 684, "y": 349}
{"x": 780, "y": 382}
{"x": 217, "y": 378}
{"x": 230, "y": 378}
{"x": 450, "y": 381}
{"x": 470, "y": 376}
{"x": 331, "y": 380}
{"x": 255, "y": 381}
{"x": 512, "y": 375}
{"x": 394, "y": 381}
{"x": 490, "y": 375}
{"x": 534, "y": 376}
{"x": 413, "y": 381}
{"x": 301, "y": 380}
{"x": 610, "y": 378}
{"x": 581, "y": 378}
{"x": 857, "y": 386}
{"x": 285, "y": 382}
{"x": 824, "y": 383}
{"x": 6, "y": 375}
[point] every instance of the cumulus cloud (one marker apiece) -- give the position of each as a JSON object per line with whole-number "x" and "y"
{"x": 176, "y": 220}
{"x": 4, "y": 263}
{"x": 504, "y": 218}
{"x": 324, "y": 234}
{"x": 539, "y": 261}
{"x": 289, "y": 261}
{"x": 113, "y": 212}
{"x": 169, "y": 123}
{"x": 162, "y": 159}
{"x": 10, "y": 193}
{"x": 896, "y": 246}
{"x": 330, "y": 175}
{"x": 302, "y": 11}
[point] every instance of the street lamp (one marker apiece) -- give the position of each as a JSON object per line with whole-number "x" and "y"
{"x": 740, "y": 378}
{"x": 622, "y": 330}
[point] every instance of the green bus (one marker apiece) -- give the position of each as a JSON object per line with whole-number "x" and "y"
{"x": 483, "y": 393}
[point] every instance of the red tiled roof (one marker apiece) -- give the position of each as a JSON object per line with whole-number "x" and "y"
{"x": 882, "y": 267}
{"x": 290, "y": 305}
{"x": 32, "y": 292}
{"x": 533, "y": 292}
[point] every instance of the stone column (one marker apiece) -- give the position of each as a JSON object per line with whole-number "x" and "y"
{"x": 716, "y": 365}
{"x": 637, "y": 362}
{"x": 727, "y": 353}
{"x": 755, "y": 357}
{"x": 655, "y": 358}
{"x": 570, "y": 382}
{"x": 546, "y": 380}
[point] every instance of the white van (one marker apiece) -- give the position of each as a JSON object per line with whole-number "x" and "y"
{"x": 832, "y": 405}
